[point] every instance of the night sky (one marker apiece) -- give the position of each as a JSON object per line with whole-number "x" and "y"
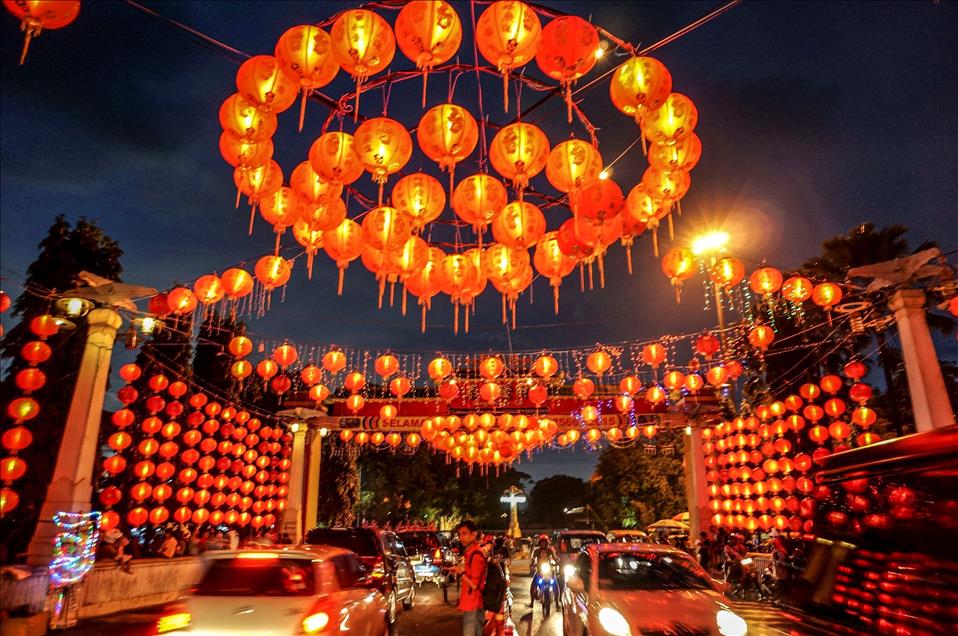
{"x": 814, "y": 117}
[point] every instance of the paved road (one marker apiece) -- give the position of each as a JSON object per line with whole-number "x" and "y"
{"x": 434, "y": 617}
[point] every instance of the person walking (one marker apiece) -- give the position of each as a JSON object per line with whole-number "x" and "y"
{"x": 494, "y": 591}
{"x": 472, "y": 574}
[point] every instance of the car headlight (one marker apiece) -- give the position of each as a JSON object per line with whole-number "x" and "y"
{"x": 545, "y": 569}
{"x": 613, "y": 622}
{"x": 568, "y": 571}
{"x": 730, "y": 623}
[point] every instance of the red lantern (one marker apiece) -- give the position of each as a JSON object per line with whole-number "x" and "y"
{"x": 37, "y": 15}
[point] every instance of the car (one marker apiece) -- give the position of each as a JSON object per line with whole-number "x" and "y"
{"x": 568, "y": 543}
{"x": 381, "y": 552}
{"x": 261, "y": 591}
{"x": 429, "y": 552}
{"x": 617, "y": 589}
{"x": 627, "y": 536}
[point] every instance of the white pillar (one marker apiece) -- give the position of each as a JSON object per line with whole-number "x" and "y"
{"x": 71, "y": 487}
{"x": 311, "y": 488}
{"x": 696, "y": 487}
{"x": 293, "y": 517}
{"x": 926, "y": 386}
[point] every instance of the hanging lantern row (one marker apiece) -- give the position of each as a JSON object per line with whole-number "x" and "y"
{"x": 37, "y": 15}
{"x": 388, "y": 240}
{"x": 219, "y": 466}
{"x": 25, "y": 408}
{"x": 758, "y": 467}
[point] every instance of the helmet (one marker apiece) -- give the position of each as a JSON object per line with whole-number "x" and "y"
{"x": 543, "y": 537}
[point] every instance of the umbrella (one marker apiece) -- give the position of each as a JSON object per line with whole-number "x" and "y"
{"x": 682, "y": 516}
{"x": 668, "y": 524}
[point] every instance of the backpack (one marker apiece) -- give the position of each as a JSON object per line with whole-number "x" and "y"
{"x": 494, "y": 590}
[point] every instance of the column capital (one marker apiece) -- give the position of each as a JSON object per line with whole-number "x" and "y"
{"x": 907, "y": 299}
{"x": 104, "y": 316}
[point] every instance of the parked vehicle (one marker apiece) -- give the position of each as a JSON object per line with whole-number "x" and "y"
{"x": 627, "y": 536}
{"x": 628, "y": 589}
{"x": 568, "y": 543}
{"x": 279, "y": 591}
{"x": 381, "y": 552}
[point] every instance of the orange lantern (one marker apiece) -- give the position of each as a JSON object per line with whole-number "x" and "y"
{"x": 281, "y": 209}
{"x": 490, "y": 391}
{"x": 334, "y": 158}
{"x": 727, "y": 272}
{"x": 386, "y": 365}
{"x": 240, "y": 346}
{"x": 491, "y": 367}
{"x": 457, "y": 275}
{"x": 568, "y": 49}
{"x": 439, "y": 369}
{"x": 363, "y": 44}
{"x": 653, "y": 354}
{"x": 655, "y": 395}
{"x": 209, "y": 289}
{"x": 243, "y": 118}
{"x": 355, "y": 403}
{"x": 388, "y": 411}
{"x": 285, "y": 355}
{"x": 640, "y": 85}
{"x": 674, "y": 380}
{"x": 761, "y": 337}
{"x": 257, "y": 183}
{"x": 507, "y": 35}
{"x": 674, "y": 120}
{"x": 682, "y": 156}
{"x": 573, "y": 164}
{"x": 519, "y": 225}
{"x": 237, "y": 283}
{"x": 311, "y": 240}
{"x": 344, "y": 244}
{"x": 550, "y": 261}
{"x": 519, "y": 152}
{"x": 355, "y": 381}
{"x": 645, "y": 210}
{"x": 428, "y": 33}
{"x": 666, "y": 187}
{"x": 797, "y": 289}
{"x": 599, "y": 201}
{"x": 181, "y": 301}
{"x": 545, "y": 366}
{"x": 583, "y": 388}
{"x": 318, "y": 393}
{"x": 598, "y": 362}
{"x": 36, "y": 15}
{"x": 826, "y": 295}
{"x": 273, "y": 271}
{"x": 694, "y": 382}
{"x": 386, "y": 228}
{"x": 831, "y": 384}
{"x": 266, "y": 369}
{"x": 765, "y": 280}
{"x": 716, "y": 376}
{"x": 400, "y": 386}
{"x": 630, "y": 385}
{"x": 478, "y": 200}
{"x": 420, "y": 197}
{"x": 334, "y": 361}
{"x": 240, "y": 151}
{"x": 384, "y": 147}
{"x": 261, "y": 80}
{"x": 305, "y": 55}
{"x": 678, "y": 264}
{"x": 447, "y": 134}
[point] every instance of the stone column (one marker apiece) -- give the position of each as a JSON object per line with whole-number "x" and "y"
{"x": 71, "y": 487}
{"x": 293, "y": 516}
{"x": 312, "y": 480}
{"x": 696, "y": 491}
{"x": 926, "y": 386}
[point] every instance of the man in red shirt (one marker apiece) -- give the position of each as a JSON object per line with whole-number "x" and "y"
{"x": 472, "y": 579}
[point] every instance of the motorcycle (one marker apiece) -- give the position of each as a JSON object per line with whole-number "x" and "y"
{"x": 546, "y": 587}
{"x": 744, "y": 580}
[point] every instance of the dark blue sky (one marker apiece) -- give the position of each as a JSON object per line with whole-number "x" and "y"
{"x": 814, "y": 117}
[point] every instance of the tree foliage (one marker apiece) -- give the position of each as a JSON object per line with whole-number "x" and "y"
{"x": 632, "y": 488}
{"x": 552, "y": 496}
{"x": 338, "y": 484}
{"x": 64, "y": 252}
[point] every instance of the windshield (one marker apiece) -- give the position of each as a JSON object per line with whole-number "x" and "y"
{"x": 362, "y": 542}
{"x": 648, "y": 571}
{"x": 573, "y": 542}
{"x": 258, "y": 577}
{"x": 418, "y": 542}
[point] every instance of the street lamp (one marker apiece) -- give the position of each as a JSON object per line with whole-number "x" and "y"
{"x": 73, "y": 307}
{"x": 708, "y": 246}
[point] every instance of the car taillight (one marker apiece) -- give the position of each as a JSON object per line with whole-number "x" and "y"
{"x": 315, "y": 623}
{"x": 173, "y": 622}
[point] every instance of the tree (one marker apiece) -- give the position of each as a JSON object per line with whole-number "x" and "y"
{"x": 632, "y": 488}
{"x": 64, "y": 253}
{"x": 552, "y": 496}
{"x": 339, "y": 484}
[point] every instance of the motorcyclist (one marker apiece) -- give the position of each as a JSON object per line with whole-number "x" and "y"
{"x": 543, "y": 553}
{"x": 734, "y": 552}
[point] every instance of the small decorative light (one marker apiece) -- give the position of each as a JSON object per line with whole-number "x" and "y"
{"x": 148, "y": 324}
{"x": 323, "y": 432}
{"x": 73, "y": 307}
{"x": 711, "y": 242}
{"x": 605, "y": 174}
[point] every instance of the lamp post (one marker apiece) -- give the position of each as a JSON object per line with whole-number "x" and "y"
{"x": 513, "y": 496}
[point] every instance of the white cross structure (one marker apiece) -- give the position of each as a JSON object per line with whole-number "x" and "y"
{"x": 513, "y": 496}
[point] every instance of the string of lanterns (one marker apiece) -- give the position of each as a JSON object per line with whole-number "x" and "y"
{"x": 389, "y": 236}
{"x": 25, "y": 408}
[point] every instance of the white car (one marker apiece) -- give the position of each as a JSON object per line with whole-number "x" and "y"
{"x": 280, "y": 591}
{"x": 618, "y": 589}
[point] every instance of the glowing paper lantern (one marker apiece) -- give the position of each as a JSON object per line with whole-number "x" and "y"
{"x": 681, "y": 156}
{"x": 305, "y": 55}
{"x": 240, "y": 151}
{"x": 384, "y": 146}
{"x": 550, "y": 261}
{"x": 257, "y": 183}
{"x": 797, "y": 289}
{"x": 447, "y": 134}
{"x": 507, "y": 35}
{"x": 573, "y": 164}
{"x": 675, "y": 119}
{"x": 273, "y": 271}
{"x": 478, "y": 200}
{"x": 428, "y": 33}
{"x": 519, "y": 225}
{"x": 181, "y": 301}
{"x": 244, "y": 119}
{"x": 545, "y": 366}
{"x": 334, "y": 158}
{"x": 363, "y": 44}
{"x": 420, "y": 197}
{"x": 640, "y": 85}
{"x": 386, "y": 365}
{"x": 209, "y": 289}
{"x": 727, "y": 272}
{"x": 439, "y": 369}
{"x": 761, "y": 337}
{"x": 519, "y": 152}
{"x": 826, "y": 295}
{"x": 567, "y": 50}
{"x": 386, "y": 228}
{"x": 261, "y": 80}
{"x": 765, "y": 280}
{"x": 344, "y": 244}
{"x": 36, "y": 15}
{"x": 678, "y": 264}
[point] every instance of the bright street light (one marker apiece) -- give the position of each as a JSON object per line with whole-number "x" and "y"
{"x": 711, "y": 242}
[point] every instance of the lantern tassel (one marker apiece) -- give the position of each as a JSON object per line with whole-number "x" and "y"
{"x": 655, "y": 242}
{"x": 645, "y": 148}
{"x": 276, "y": 248}
{"x": 342, "y": 273}
{"x": 555, "y": 296}
{"x": 591, "y": 281}
{"x": 359, "y": 87}
{"x": 467, "y": 319}
{"x": 404, "y": 299}
{"x": 671, "y": 228}
{"x": 628, "y": 258}
{"x": 513, "y": 315}
{"x": 238, "y": 195}
{"x": 309, "y": 265}
{"x": 505, "y": 90}
{"x": 423, "y": 327}
{"x": 581, "y": 276}
{"x": 302, "y": 107}
{"x": 382, "y": 290}
{"x": 504, "y": 318}
{"x": 392, "y": 293}
{"x": 677, "y": 286}
{"x": 678, "y": 206}
{"x": 568, "y": 101}
{"x": 252, "y": 215}
{"x": 27, "y": 37}
{"x": 455, "y": 318}
{"x": 425, "y": 78}
{"x": 602, "y": 271}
